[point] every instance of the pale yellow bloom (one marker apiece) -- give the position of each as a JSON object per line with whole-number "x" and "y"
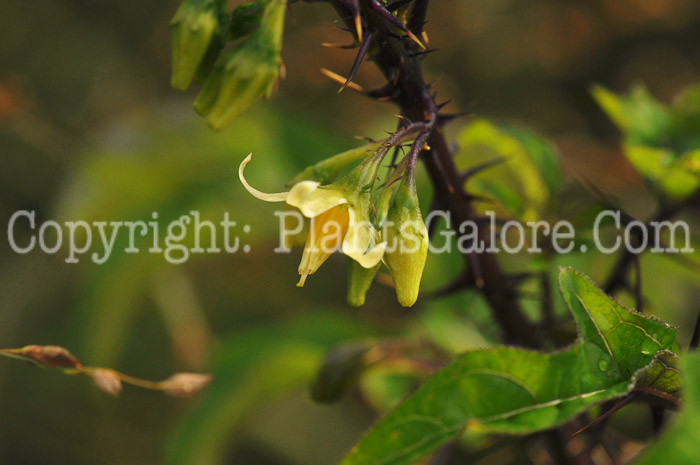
{"x": 339, "y": 213}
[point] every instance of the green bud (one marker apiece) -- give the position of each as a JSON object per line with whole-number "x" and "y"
{"x": 407, "y": 242}
{"x": 246, "y": 73}
{"x": 195, "y": 26}
{"x": 384, "y": 199}
{"x": 237, "y": 80}
{"x": 359, "y": 281}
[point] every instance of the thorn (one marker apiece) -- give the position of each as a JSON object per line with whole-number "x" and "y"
{"x": 442, "y": 105}
{"x": 358, "y": 60}
{"x": 422, "y": 53}
{"x": 384, "y": 93}
{"x": 614, "y": 409}
{"x": 424, "y": 35}
{"x": 358, "y": 27}
{"x": 386, "y": 14}
{"x": 479, "y": 168}
{"x": 341, "y": 80}
{"x": 413, "y": 37}
{"x": 449, "y": 117}
{"x": 332, "y": 45}
{"x": 365, "y": 138}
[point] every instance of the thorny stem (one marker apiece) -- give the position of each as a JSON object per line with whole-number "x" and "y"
{"x": 398, "y": 60}
{"x": 395, "y": 57}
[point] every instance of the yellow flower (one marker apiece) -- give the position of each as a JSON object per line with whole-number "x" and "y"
{"x": 339, "y": 212}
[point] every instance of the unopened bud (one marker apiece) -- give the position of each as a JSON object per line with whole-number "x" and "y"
{"x": 407, "y": 239}
{"x": 246, "y": 73}
{"x": 107, "y": 380}
{"x": 359, "y": 281}
{"x": 47, "y": 356}
{"x": 195, "y": 30}
{"x": 185, "y": 384}
{"x": 238, "y": 79}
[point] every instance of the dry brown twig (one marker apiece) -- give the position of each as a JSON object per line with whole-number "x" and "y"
{"x": 106, "y": 379}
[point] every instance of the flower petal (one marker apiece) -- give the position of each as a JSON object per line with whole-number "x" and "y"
{"x": 359, "y": 243}
{"x": 279, "y": 197}
{"x": 371, "y": 258}
{"x": 312, "y": 199}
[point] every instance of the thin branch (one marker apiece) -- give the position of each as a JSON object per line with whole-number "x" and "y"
{"x": 106, "y": 379}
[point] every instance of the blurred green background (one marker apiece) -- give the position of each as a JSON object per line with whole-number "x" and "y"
{"x": 90, "y": 129}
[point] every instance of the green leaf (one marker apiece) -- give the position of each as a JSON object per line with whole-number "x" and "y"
{"x": 614, "y": 106}
{"x": 526, "y": 183}
{"x": 543, "y": 155}
{"x": 661, "y": 375}
{"x": 676, "y": 177}
{"x": 661, "y": 142}
{"x": 679, "y": 444}
{"x": 517, "y": 391}
{"x": 643, "y": 119}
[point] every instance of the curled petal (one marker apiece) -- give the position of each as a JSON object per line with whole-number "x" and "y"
{"x": 370, "y": 258}
{"x": 278, "y": 197}
{"x": 360, "y": 244}
{"x": 312, "y": 199}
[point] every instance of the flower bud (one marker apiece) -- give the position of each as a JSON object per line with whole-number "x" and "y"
{"x": 246, "y": 73}
{"x": 407, "y": 242}
{"x": 195, "y": 35}
{"x": 185, "y": 384}
{"x": 107, "y": 380}
{"x": 45, "y": 356}
{"x": 359, "y": 281}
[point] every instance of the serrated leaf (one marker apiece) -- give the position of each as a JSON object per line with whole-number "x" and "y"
{"x": 679, "y": 444}
{"x": 517, "y": 391}
{"x": 662, "y": 374}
